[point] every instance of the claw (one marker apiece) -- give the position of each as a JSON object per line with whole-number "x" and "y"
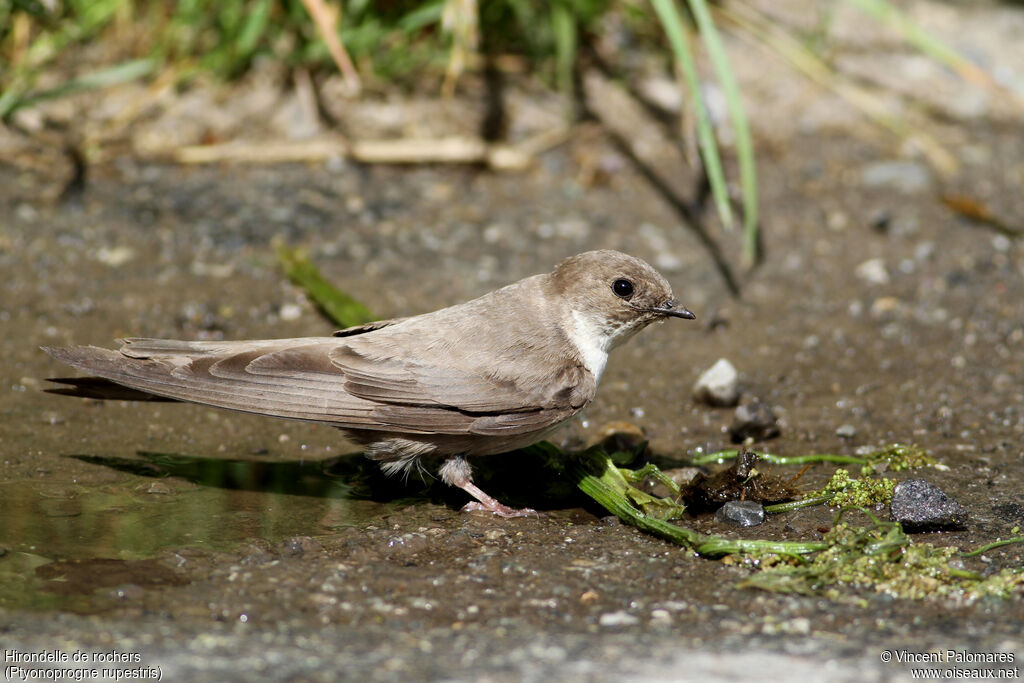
{"x": 498, "y": 509}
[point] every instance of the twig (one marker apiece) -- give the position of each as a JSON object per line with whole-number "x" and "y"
{"x": 448, "y": 150}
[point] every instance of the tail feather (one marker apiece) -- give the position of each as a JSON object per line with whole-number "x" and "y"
{"x": 217, "y": 374}
{"x": 100, "y": 389}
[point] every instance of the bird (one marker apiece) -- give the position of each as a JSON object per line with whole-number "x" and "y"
{"x": 491, "y": 375}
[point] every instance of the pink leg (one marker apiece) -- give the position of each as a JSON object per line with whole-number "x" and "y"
{"x": 456, "y": 472}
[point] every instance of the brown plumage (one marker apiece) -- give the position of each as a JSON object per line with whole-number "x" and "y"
{"x": 487, "y": 376}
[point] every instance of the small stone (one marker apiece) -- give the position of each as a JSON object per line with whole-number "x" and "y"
{"x": 127, "y": 592}
{"x": 115, "y": 257}
{"x": 919, "y": 505}
{"x": 718, "y": 385}
{"x": 621, "y": 436}
{"x": 299, "y": 545}
{"x": 290, "y": 312}
{"x": 620, "y": 618}
{"x": 51, "y": 417}
{"x": 740, "y": 513}
{"x": 254, "y": 553}
{"x": 846, "y": 431}
{"x": 873, "y": 272}
{"x": 908, "y": 177}
{"x": 754, "y": 421}
{"x": 159, "y": 488}
{"x": 884, "y": 306}
{"x": 880, "y": 220}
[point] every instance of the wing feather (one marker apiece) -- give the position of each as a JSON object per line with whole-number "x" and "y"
{"x": 326, "y": 380}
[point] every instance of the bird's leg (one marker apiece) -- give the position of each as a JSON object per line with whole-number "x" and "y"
{"x": 456, "y": 472}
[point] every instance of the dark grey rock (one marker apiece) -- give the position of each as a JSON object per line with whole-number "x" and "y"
{"x": 754, "y": 421}
{"x": 741, "y": 513}
{"x": 921, "y": 506}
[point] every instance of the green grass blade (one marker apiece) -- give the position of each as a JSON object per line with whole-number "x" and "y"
{"x": 566, "y": 46}
{"x": 253, "y": 28}
{"x": 122, "y": 73}
{"x": 596, "y": 475}
{"x": 340, "y": 308}
{"x": 672, "y": 24}
{"x": 744, "y": 142}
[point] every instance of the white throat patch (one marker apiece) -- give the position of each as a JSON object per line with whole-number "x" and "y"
{"x": 593, "y": 341}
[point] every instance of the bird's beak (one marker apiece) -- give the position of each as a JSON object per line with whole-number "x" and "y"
{"x": 672, "y": 309}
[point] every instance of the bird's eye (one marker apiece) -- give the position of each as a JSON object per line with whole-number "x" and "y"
{"x": 623, "y": 288}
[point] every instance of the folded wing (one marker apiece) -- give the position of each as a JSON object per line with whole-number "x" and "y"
{"x": 325, "y": 380}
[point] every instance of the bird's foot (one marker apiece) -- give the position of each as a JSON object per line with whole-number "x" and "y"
{"x": 456, "y": 472}
{"x": 497, "y": 508}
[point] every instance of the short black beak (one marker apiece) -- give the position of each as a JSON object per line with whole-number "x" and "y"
{"x": 672, "y": 309}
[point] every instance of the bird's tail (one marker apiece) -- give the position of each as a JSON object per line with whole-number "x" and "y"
{"x": 291, "y": 378}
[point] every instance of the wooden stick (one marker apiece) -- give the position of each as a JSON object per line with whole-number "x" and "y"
{"x": 447, "y": 150}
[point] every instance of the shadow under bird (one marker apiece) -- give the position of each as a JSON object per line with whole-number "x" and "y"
{"x": 487, "y": 376}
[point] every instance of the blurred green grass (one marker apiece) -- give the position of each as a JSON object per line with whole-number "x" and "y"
{"x": 53, "y": 48}
{"x": 391, "y": 42}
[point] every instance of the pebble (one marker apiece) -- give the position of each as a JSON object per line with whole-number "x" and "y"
{"x": 908, "y": 177}
{"x": 718, "y": 385}
{"x": 873, "y": 271}
{"x": 115, "y": 257}
{"x": 159, "y": 488}
{"x": 740, "y": 513}
{"x": 846, "y": 431}
{"x": 919, "y": 505}
{"x": 621, "y": 436}
{"x": 299, "y": 545}
{"x": 620, "y": 618}
{"x": 754, "y": 421}
{"x": 884, "y": 306}
{"x": 290, "y": 312}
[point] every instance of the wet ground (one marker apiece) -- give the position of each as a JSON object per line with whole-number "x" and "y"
{"x": 223, "y": 546}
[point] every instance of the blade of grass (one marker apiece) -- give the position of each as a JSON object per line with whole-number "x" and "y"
{"x": 122, "y": 73}
{"x": 729, "y": 454}
{"x": 252, "y": 29}
{"x": 596, "y": 475}
{"x": 340, "y": 308}
{"x": 566, "y": 46}
{"x": 741, "y": 128}
{"x": 672, "y": 24}
{"x": 991, "y": 546}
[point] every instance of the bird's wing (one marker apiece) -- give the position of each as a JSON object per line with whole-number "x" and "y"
{"x": 436, "y": 380}
{"x": 302, "y": 379}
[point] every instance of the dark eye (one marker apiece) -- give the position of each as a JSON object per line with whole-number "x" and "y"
{"x": 623, "y": 288}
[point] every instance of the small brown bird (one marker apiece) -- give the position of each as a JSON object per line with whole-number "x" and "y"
{"x": 487, "y": 376}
